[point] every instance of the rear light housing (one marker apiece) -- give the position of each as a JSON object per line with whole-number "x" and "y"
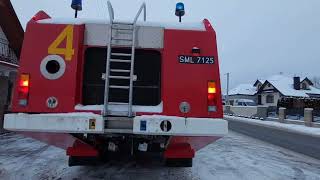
{"x": 212, "y": 96}
{"x": 23, "y": 89}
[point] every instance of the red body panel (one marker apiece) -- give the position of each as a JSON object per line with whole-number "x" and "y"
{"x": 188, "y": 82}
{"x": 38, "y": 38}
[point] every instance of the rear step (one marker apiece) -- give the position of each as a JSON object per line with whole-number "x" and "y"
{"x": 123, "y": 125}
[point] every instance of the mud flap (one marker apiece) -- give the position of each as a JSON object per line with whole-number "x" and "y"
{"x": 84, "y": 161}
{"x": 179, "y": 162}
{"x": 179, "y": 155}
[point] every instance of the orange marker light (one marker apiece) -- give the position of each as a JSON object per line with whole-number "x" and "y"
{"x": 212, "y": 87}
{"x": 212, "y": 107}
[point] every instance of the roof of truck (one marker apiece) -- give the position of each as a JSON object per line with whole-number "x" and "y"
{"x": 199, "y": 26}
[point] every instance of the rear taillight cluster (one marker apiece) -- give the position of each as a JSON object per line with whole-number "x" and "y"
{"x": 212, "y": 96}
{"x": 23, "y": 89}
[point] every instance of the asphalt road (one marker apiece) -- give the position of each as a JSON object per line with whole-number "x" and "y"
{"x": 235, "y": 156}
{"x": 297, "y": 142}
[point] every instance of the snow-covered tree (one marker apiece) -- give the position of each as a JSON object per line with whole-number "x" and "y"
{"x": 316, "y": 82}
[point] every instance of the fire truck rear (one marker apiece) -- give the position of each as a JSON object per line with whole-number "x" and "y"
{"x": 110, "y": 89}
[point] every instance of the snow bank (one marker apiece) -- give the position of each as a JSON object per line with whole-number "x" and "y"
{"x": 312, "y": 131}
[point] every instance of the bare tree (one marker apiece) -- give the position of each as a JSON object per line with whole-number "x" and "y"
{"x": 316, "y": 81}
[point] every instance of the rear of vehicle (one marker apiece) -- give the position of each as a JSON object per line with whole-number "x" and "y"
{"x": 244, "y": 102}
{"x": 119, "y": 88}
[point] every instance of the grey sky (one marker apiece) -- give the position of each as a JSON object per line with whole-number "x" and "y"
{"x": 256, "y": 38}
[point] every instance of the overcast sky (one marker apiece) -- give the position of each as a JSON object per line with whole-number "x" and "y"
{"x": 256, "y": 38}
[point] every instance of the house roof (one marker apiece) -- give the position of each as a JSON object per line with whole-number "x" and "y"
{"x": 308, "y": 80}
{"x": 11, "y": 26}
{"x": 243, "y": 89}
{"x": 259, "y": 81}
{"x": 285, "y": 86}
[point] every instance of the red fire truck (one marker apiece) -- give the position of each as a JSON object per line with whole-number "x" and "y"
{"x": 109, "y": 89}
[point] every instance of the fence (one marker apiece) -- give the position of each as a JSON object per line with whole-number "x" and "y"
{"x": 4, "y": 98}
{"x": 6, "y": 53}
{"x": 309, "y": 117}
{"x": 247, "y": 111}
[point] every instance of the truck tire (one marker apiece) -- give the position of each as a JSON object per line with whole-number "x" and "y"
{"x": 179, "y": 162}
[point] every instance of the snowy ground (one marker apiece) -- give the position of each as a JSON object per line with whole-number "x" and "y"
{"x": 312, "y": 131}
{"x": 233, "y": 157}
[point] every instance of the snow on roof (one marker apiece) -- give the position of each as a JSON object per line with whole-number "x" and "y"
{"x": 243, "y": 89}
{"x": 285, "y": 86}
{"x": 199, "y": 26}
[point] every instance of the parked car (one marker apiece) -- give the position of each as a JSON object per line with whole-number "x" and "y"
{"x": 242, "y": 102}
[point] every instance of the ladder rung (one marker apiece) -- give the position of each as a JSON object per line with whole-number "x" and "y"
{"x": 121, "y": 44}
{"x": 120, "y": 61}
{"x": 118, "y": 103}
{"x": 119, "y": 87}
{"x": 117, "y": 28}
{"x": 120, "y": 70}
{"x": 119, "y": 77}
{"x": 124, "y": 32}
{"x": 118, "y": 39}
{"x": 122, "y": 23}
{"x": 120, "y": 54}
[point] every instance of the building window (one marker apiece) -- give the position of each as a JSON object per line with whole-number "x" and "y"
{"x": 270, "y": 98}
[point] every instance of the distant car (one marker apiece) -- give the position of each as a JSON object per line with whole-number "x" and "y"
{"x": 242, "y": 102}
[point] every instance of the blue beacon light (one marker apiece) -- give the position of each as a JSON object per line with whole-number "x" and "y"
{"x": 180, "y": 10}
{"x": 77, "y": 6}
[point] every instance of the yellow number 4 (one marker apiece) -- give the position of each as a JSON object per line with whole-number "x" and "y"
{"x": 68, "y": 51}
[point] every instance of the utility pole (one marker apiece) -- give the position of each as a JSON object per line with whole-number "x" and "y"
{"x": 227, "y": 98}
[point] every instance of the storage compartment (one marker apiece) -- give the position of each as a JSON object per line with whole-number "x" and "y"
{"x": 146, "y": 89}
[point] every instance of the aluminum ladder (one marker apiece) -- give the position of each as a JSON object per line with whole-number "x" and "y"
{"x": 128, "y": 39}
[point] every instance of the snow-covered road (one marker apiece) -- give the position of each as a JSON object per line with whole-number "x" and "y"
{"x": 233, "y": 157}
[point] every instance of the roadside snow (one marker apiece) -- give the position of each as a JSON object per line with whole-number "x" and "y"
{"x": 288, "y": 127}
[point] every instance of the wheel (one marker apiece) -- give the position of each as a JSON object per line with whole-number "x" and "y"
{"x": 187, "y": 162}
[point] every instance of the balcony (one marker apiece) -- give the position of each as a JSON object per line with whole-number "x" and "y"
{"x": 7, "y": 55}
